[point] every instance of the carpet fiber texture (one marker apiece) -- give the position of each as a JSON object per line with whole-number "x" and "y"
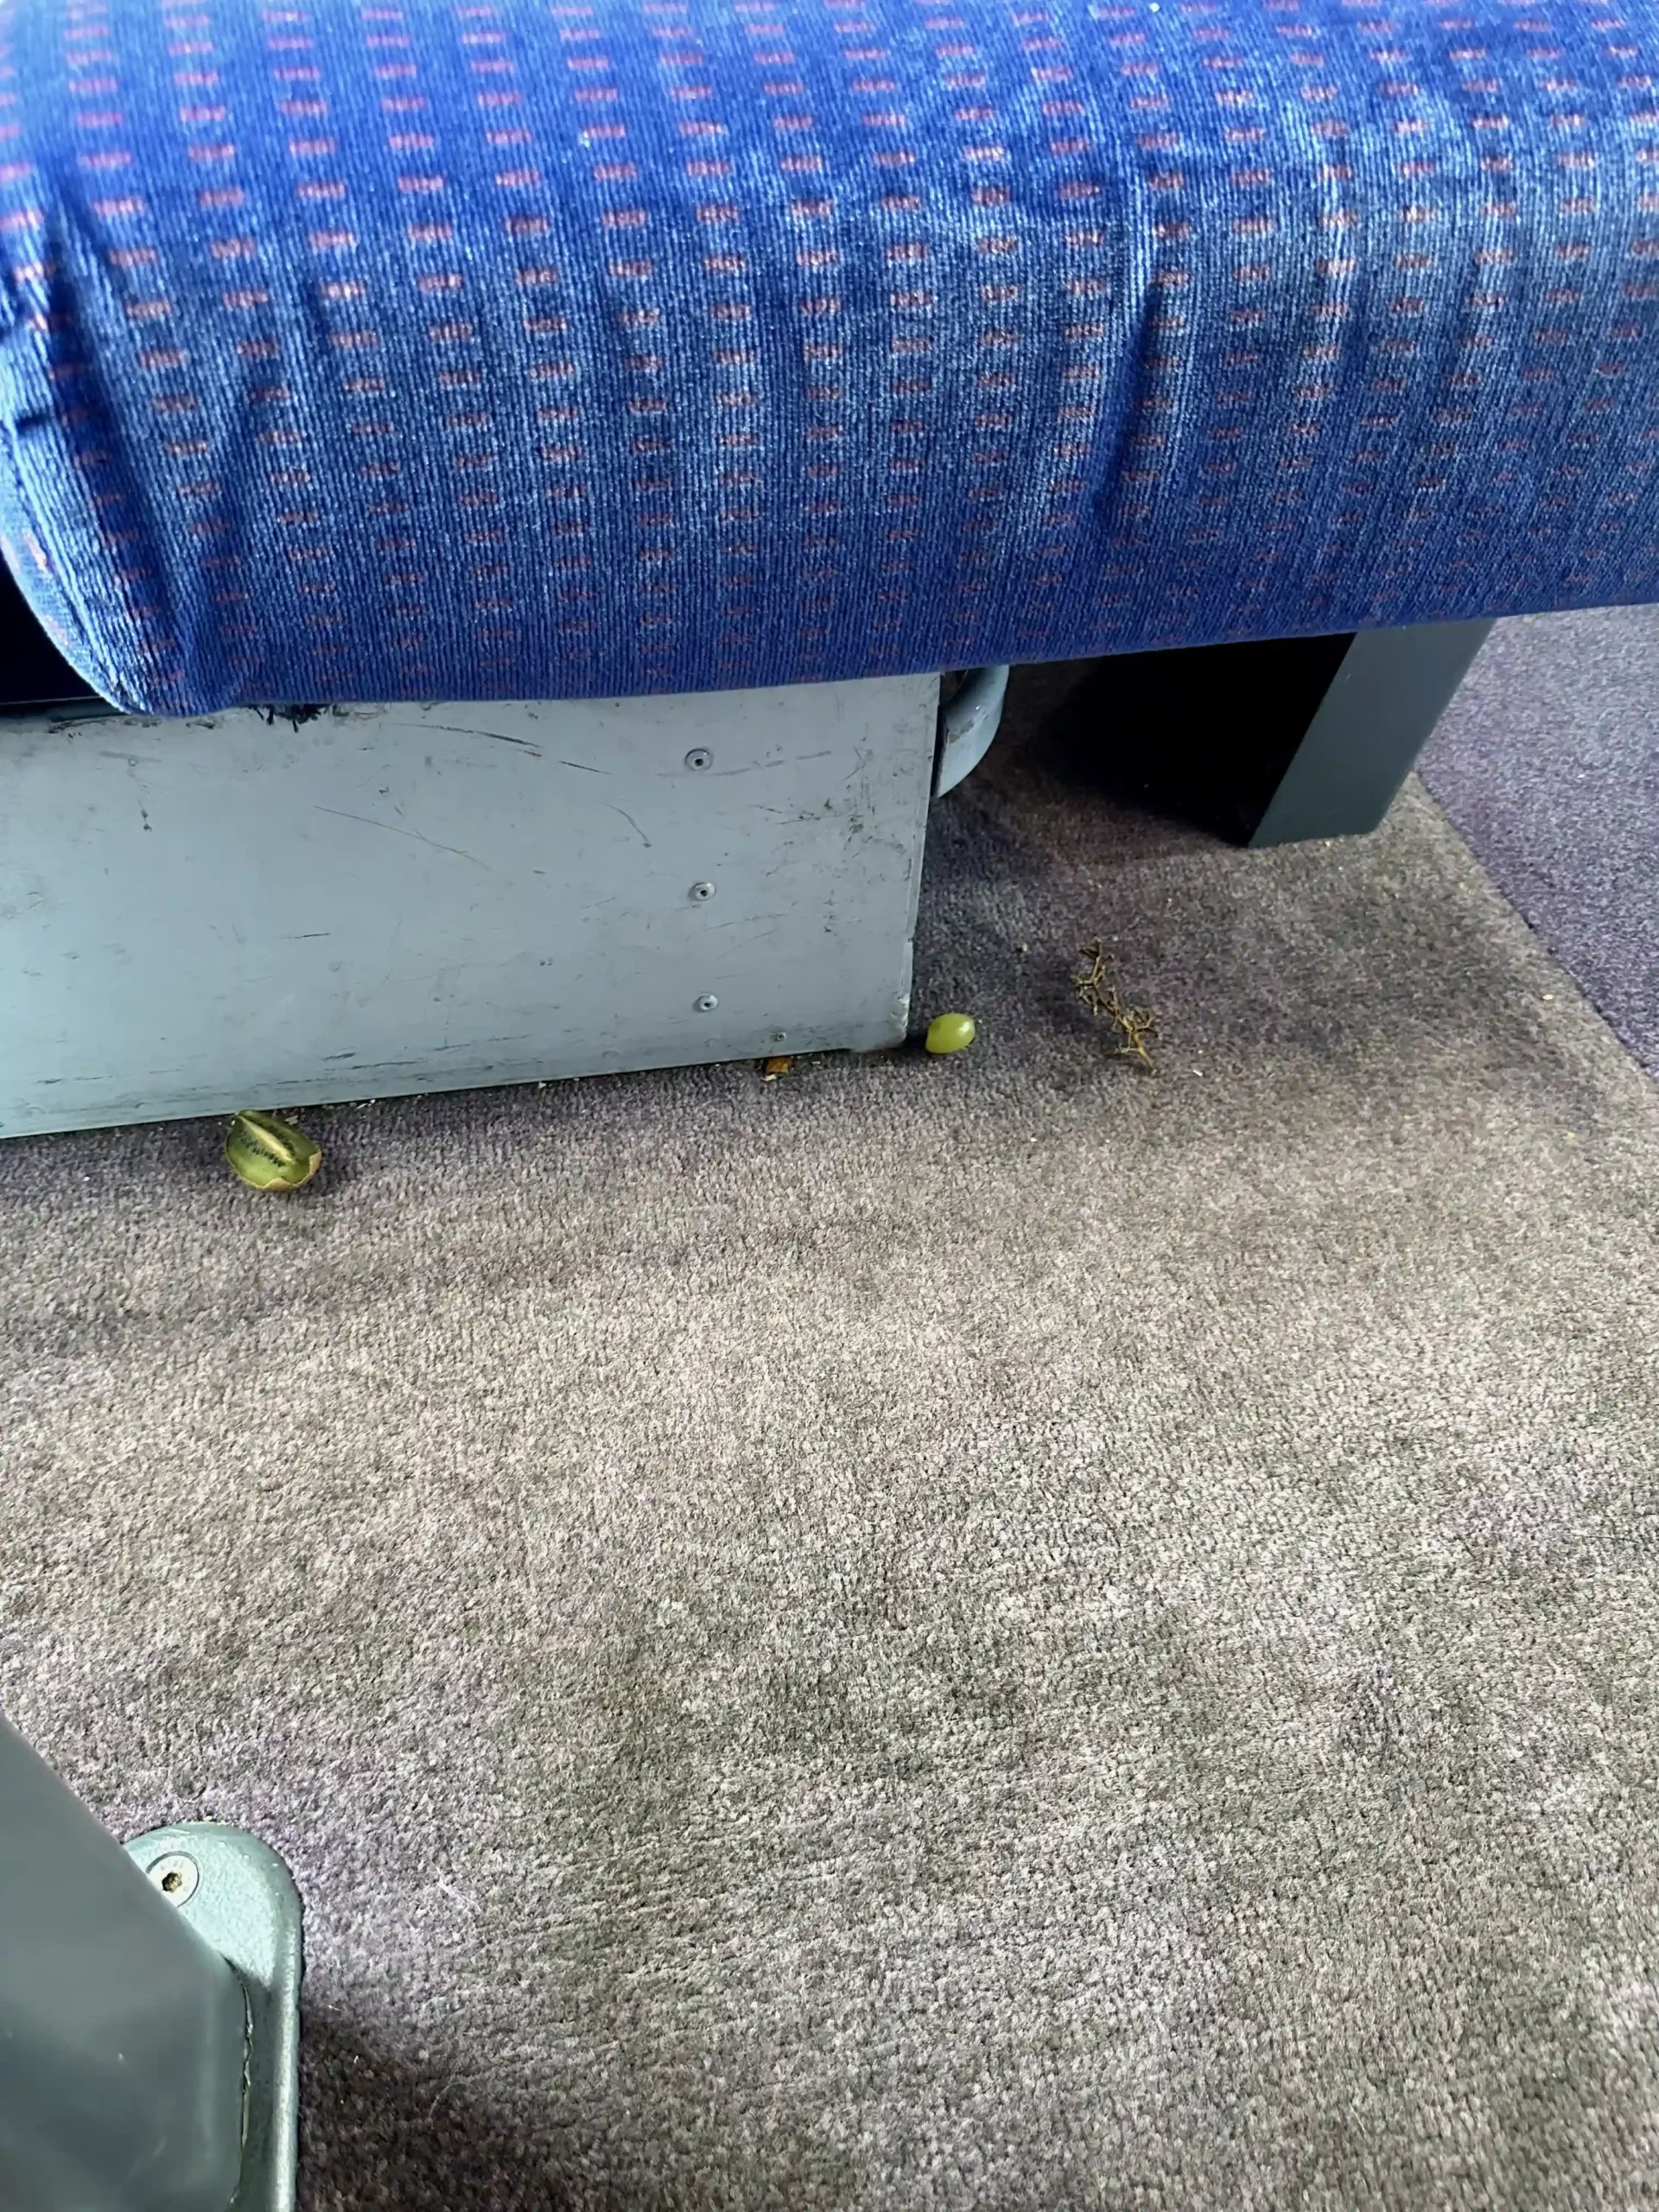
{"x": 1009, "y": 1632}
{"x": 1547, "y": 760}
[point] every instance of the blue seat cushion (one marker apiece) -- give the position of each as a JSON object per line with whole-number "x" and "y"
{"x": 492, "y": 349}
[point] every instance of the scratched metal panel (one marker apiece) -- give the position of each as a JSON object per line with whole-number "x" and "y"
{"x": 198, "y": 916}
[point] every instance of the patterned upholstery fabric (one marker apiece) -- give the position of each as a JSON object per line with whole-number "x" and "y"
{"x": 611, "y": 346}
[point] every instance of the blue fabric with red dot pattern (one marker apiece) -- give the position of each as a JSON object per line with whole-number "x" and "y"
{"x": 488, "y": 349}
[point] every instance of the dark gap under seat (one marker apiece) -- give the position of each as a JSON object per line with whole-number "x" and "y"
{"x": 33, "y": 672}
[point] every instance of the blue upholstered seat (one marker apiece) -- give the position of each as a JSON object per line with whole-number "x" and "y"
{"x": 493, "y": 349}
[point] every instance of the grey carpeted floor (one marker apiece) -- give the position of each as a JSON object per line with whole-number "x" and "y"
{"x": 1004, "y": 1633}
{"x": 1547, "y": 760}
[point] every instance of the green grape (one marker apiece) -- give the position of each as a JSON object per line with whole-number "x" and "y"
{"x": 950, "y": 1032}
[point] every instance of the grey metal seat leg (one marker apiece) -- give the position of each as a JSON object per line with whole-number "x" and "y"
{"x": 148, "y": 2011}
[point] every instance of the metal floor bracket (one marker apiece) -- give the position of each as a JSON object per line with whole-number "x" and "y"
{"x": 240, "y": 1898}
{"x": 968, "y": 723}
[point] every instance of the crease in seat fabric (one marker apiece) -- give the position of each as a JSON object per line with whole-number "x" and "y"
{"x": 514, "y": 352}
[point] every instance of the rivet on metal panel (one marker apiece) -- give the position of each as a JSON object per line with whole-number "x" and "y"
{"x": 708, "y": 1003}
{"x": 701, "y": 892}
{"x": 781, "y": 1036}
{"x": 699, "y": 757}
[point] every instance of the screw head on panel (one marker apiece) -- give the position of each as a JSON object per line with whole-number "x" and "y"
{"x": 707, "y": 1003}
{"x": 702, "y": 892}
{"x": 175, "y": 1876}
{"x": 699, "y": 757}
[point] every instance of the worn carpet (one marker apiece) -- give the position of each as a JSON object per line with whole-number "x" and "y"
{"x": 1013, "y": 1632}
{"x": 1547, "y": 760}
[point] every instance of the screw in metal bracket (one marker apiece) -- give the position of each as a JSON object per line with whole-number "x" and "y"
{"x": 175, "y": 1876}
